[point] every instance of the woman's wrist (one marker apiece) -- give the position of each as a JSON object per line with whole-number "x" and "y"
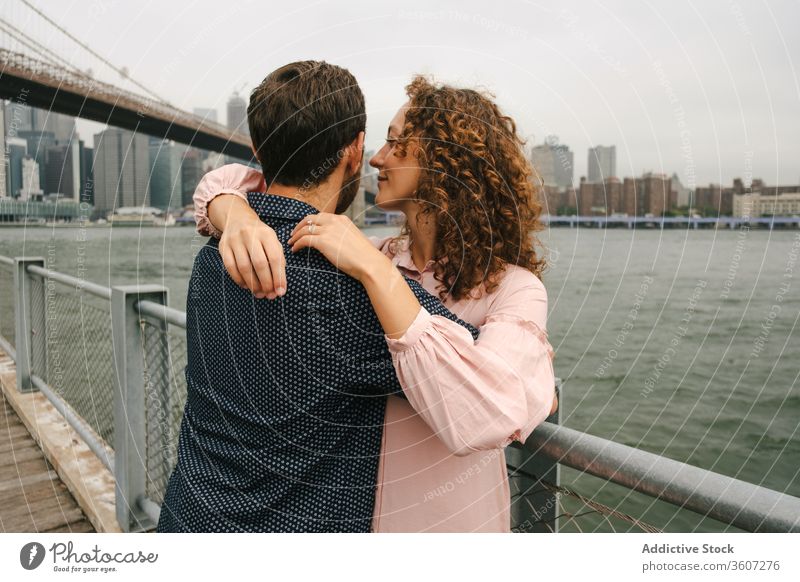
{"x": 375, "y": 269}
{"x": 393, "y": 300}
{"x": 228, "y": 209}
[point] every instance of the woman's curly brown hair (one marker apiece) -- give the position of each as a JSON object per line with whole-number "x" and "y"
{"x": 476, "y": 183}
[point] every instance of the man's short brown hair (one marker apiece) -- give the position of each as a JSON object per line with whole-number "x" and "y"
{"x": 301, "y": 117}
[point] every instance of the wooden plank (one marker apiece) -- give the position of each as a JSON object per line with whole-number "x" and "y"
{"x": 90, "y": 482}
{"x": 41, "y": 507}
{"x": 87, "y": 479}
{"x": 14, "y": 430}
{"x": 84, "y": 526}
{"x": 40, "y": 522}
{"x": 19, "y": 456}
{"x": 7, "y": 414}
{"x": 10, "y": 421}
{"x": 34, "y": 491}
{"x": 54, "y": 520}
{"x": 16, "y": 482}
{"x": 15, "y": 433}
{"x": 7, "y": 447}
{"x": 33, "y": 466}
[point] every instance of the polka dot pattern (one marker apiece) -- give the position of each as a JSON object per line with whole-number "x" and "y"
{"x": 284, "y": 416}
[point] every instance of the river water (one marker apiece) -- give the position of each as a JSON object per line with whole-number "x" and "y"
{"x": 683, "y": 343}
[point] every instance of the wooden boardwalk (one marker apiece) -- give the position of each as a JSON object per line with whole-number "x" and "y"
{"x": 32, "y": 497}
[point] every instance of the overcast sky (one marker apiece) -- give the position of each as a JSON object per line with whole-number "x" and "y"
{"x": 706, "y": 89}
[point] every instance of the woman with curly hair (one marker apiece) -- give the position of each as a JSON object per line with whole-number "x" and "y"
{"x": 454, "y": 165}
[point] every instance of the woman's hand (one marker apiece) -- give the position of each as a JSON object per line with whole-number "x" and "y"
{"x": 342, "y": 243}
{"x": 251, "y": 252}
{"x": 336, "y": 237}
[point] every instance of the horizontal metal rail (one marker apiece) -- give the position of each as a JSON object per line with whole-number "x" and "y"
{"x": 161, "y": 312}
{"x": 76, "y": 422}
{"x": 6, "y": 260}
{"x": 732, "y": 501}
{"x": 69, "y": 280}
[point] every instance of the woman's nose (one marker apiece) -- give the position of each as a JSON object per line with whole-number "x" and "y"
{"x": 376, "y": 161}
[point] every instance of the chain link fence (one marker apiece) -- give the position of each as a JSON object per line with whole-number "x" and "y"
{"x": 575, "y": 512}
{"x": 165, "y": 397}
{"x": 77, "y": 356}
{"x": 7, "y": 301}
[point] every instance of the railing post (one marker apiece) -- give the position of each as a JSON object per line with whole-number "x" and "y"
{"x": 130, "y": 413}
{"x": 534, "y": 509}
{"x": 29, "y": 325}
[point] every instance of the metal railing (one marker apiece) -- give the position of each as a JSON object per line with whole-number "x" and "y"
{"x": 111, "y": 361}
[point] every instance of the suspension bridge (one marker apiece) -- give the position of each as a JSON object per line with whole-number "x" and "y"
{"x": 38, "y": 75}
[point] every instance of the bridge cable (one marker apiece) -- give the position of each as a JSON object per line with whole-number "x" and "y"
{"x": 35, "y": 46}
{"x": 124, "y": 74}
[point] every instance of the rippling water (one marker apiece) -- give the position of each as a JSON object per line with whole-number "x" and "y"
{"x": 681, "y": 343}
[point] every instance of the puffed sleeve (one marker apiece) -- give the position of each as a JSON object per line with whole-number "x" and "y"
{"x": 236, "y": 179}
{"x": 482, "y": 394}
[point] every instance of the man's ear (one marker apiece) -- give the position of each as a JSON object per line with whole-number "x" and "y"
{"x": 355, "y": 153}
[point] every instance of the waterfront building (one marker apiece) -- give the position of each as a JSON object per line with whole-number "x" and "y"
{"x": 602, "y": 163}
{"x": 756, "y": 204}
{"x": 553, "y": 162}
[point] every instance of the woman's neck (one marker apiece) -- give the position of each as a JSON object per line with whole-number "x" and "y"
{"x": 422, "y": 231}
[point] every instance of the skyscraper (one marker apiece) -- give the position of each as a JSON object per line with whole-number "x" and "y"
{"x": 121, "y": 169}
{"x": 21, "y": 117}
{"x": 18, "y": 117}
{"x": 62, "y": 174}
{"x": 61, "y": 126}
{"x": 191, "y": 174}
{"x": 237, "y": 114}
{"x": 554, "y": 162}
{"x": 683, "y": 192}
{"x": 39, "y": 142}
{"x": 165, "y": 174}
{"x": 17, "y": 150}
{"x": 31, "y": 190}
{"x": 87, "y": 173}
{"x": 602, "y": 163}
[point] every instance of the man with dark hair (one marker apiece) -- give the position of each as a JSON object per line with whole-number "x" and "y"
{"x": 284, "y": 415}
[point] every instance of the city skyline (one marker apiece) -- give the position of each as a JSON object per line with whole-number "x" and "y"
{"x": 47, "y": 158}
{"x": 709, "y": 92}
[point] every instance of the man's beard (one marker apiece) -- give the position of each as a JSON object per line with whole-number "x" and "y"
{"x": 348, "y": 192}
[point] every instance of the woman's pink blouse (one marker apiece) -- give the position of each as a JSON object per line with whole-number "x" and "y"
{"x": 442, "y": 466}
